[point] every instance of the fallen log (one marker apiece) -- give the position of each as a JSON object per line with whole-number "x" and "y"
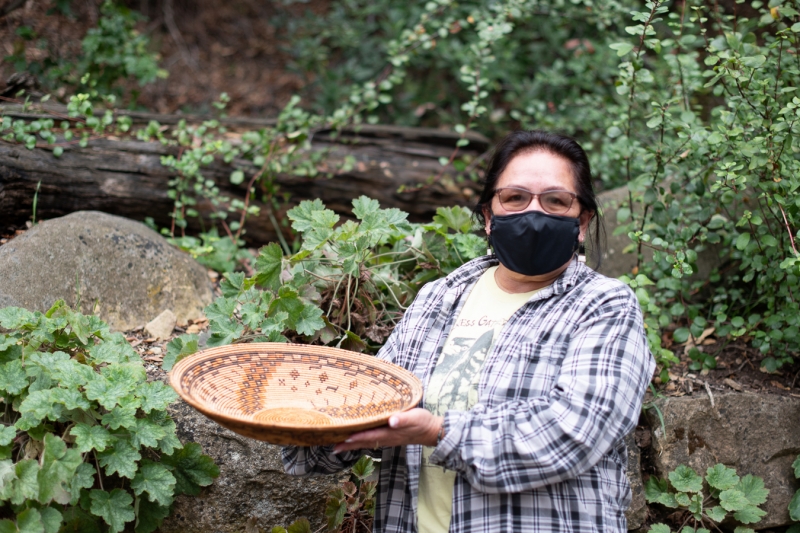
{"x": 394, "y": 165}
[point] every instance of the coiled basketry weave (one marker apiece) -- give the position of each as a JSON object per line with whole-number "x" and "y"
{"x": 294, "y": 393}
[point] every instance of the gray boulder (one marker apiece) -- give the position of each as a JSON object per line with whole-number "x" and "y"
{"x": 128, "y": 271}
{"x": 756, "y": 434}
{"x": 251, "y": 487}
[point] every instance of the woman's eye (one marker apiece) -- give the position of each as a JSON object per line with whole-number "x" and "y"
{"x": 554, "y": 201}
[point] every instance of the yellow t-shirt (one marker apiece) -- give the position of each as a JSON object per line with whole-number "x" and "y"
{"x": 453, "y": 385}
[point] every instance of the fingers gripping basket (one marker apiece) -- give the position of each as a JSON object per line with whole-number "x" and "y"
{"x": 294, "y": 393}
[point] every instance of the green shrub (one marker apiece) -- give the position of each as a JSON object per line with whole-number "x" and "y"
{"x": 85, "y": 438}
{"x": 347, "y": 285}
{"x": 708, "y": 144}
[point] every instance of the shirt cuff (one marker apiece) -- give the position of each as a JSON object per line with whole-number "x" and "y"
{"x": 446, "y": 453}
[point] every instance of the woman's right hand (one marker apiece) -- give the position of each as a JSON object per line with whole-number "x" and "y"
{"x": 416, "y": 426}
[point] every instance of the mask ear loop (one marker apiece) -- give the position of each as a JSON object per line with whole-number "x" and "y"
{"x": 489, "y": 237}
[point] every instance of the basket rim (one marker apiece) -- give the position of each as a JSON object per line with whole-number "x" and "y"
{"x": 188, "y": 362}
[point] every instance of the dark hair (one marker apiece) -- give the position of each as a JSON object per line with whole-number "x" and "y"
{"x": 522, "y": 142}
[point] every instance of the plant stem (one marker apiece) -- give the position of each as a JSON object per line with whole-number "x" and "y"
{"x": 99, "y": 472}
{"x": 788, "y": 229}
{"x": 281, "y": 238}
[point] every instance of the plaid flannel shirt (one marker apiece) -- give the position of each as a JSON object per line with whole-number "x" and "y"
{"x": 542, "y": 450}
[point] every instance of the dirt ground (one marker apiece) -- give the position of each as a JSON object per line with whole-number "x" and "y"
{"x": 208, "y": 47}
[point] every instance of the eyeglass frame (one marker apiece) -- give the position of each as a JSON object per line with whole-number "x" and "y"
{"x": 535, "y": 195}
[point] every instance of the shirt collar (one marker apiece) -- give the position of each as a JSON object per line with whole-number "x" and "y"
{"x": 470, "y": 271}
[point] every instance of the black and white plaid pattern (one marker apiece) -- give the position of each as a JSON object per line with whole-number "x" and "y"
{"x": 543, "y": 449}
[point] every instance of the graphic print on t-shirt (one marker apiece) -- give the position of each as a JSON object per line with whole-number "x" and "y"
{"x": 454, "y": 377}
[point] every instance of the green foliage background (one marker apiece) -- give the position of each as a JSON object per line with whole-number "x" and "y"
{"x": 691, "y": 105}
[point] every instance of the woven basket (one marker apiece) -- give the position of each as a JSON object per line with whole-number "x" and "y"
{"x": 294, "y": 393}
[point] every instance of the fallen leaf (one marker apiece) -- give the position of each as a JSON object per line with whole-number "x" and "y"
{"x": 732, "y": 384}
{"x": 694, "y": 342}
{"x": 779, "y": 385}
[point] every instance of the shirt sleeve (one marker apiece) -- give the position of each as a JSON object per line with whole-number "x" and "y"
{"x": 595, "y": 401}
{"x": 316, "y": 460}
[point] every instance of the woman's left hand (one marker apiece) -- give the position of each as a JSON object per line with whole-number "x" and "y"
{"x": 417, "y": 426}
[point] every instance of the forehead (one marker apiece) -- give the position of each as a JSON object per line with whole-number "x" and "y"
{"x": 538, "y": 171}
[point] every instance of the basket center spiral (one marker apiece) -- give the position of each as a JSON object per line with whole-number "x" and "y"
{"x": 293, "y": 416}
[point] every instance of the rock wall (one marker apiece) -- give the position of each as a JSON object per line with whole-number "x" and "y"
{"x": 755, "y": 434}
{"x": 251, "y": 486}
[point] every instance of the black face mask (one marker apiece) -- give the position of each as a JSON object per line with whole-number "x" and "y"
{"x": 533, "y": 243}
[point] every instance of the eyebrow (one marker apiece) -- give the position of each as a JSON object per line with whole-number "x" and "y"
{"x": 546, "y": 189}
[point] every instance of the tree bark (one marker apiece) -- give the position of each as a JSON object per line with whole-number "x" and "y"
{"x": 125, "y": 177}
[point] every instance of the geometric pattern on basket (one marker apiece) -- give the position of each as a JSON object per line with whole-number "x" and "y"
{"x": 294, "y": 394}
{"x": 252, "y": 382}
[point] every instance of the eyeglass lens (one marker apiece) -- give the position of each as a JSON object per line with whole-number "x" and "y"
{"x": 553, "y": 202}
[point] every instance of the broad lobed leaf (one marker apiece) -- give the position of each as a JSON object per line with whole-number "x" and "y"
{"x": 114, "y": 508}
{"x": 721, "y": 477}
{"x": 733, "y": 500}
{"x": 794, "y": 507}
{"x": 753, "y": 489}
{"x": 119, "y": 458}
{"x": 750, "y": 514}
{"x": 157, "y": 481}
{"x": 655, "y": 488}
{"x": 191, "y": 469}
{"x": 685, "y": 479}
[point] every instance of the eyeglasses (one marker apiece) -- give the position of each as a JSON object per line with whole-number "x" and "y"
{"x": 553, "y": 202}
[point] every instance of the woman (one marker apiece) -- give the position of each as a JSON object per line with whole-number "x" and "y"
{"x": 534, "y": 369}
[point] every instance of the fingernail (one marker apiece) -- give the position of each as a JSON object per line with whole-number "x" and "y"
{"x": 393, "y": 422}
{"x": 348, "y": 439}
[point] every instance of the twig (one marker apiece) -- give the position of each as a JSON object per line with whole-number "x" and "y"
{"x": 746, "y": 360}
{"x": 347, "y": 300}
{"x": 247, "y": 201}
{"x": 710, "y": 396}
{"x": 788, "y": 228}
{"x": 333, "y": 297}
{"x": 228, "y": 230}
{"x": 99, "y": 473}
